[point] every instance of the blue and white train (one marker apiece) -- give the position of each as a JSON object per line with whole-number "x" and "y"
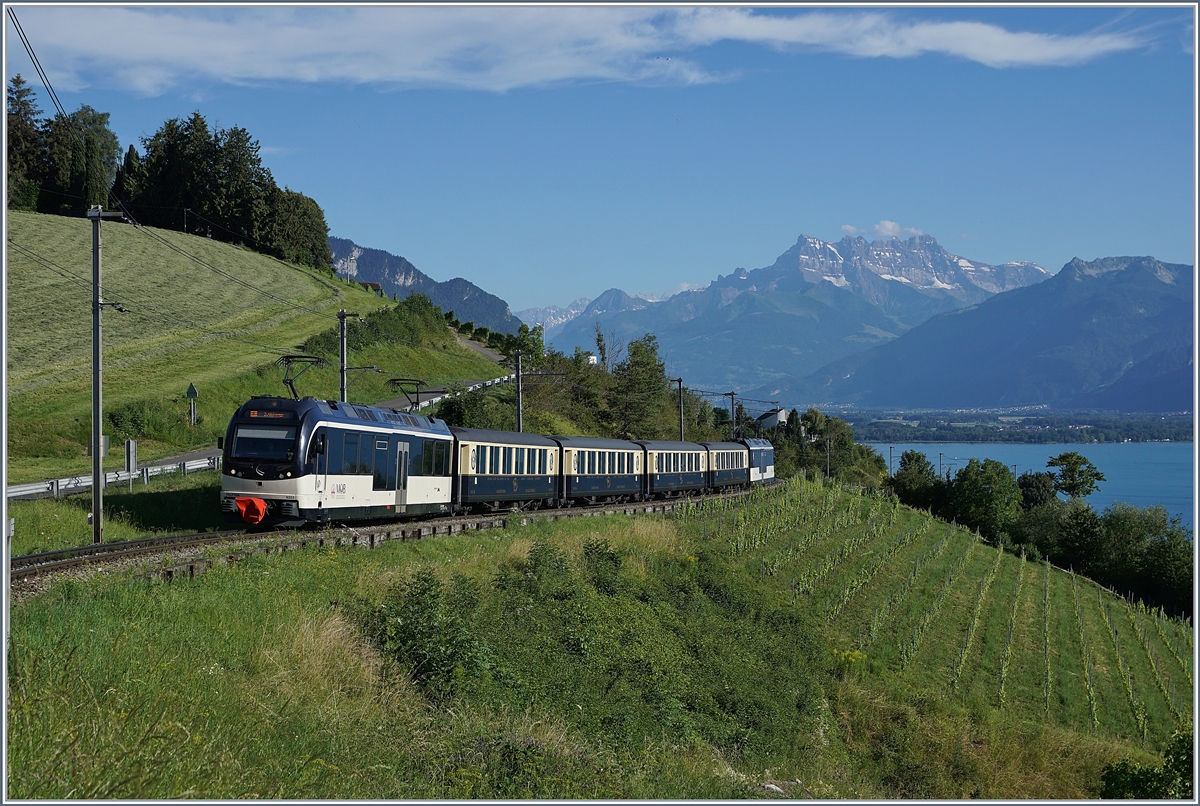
{"x": 291, "y": 463}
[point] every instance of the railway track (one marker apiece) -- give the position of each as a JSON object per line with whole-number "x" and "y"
{"x": 29, "y": 566}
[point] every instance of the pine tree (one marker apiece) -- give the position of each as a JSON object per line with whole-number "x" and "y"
{"x": 25, "y": 145}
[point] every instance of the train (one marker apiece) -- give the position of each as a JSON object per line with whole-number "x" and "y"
{"x": 290, "y": 463}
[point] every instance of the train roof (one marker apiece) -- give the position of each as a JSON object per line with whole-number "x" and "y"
{"x": 271, "y": 407}
{"x": 758, "y": 443}
{"x": 668, "y": 445}
{"x": 502, "y": 437}
{"x": 724, "y": 446}
{"x": 598, "y": 443}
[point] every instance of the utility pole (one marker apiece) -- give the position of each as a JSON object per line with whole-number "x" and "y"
{"x": 680, "y": 382}
{"x": 518, "y": 354}
{"x": 826, "y": 456}
{"x": 939, "y": 464}
{"x": 185, "y": 212}
{"x": 97, "y": 214}
{"x": 890, "y": 449}
{"x": 342, "y": 349}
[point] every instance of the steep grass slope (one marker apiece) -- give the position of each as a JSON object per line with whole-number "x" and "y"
{"x": 809, "y": 642}
{"x": 199, "y": 312}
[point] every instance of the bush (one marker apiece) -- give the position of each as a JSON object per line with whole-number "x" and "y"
{"x": 423, "y": 627}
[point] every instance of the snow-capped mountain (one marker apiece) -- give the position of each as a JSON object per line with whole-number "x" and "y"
{"x": 553, "y": 317}
{"x": 910, "y": 279}
{"x": 817, "y": 302}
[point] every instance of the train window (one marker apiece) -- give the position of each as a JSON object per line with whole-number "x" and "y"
{"x": 441, "y": 459}
{"x": 333, "y": 453}
{"x": 542, "y": 461}
{"x": 350, "y": 454}
{"x": 602, "y": 463}
{"x": 494, "y": 460}
{"x": 674, "y": 463}
{"x": 591, "y": 456}
{"x": 508, "y": 460}
{"x": 621, "y": 463}
{"x": 612, "y": 461}
{"x": 366, "y": 456}
{"x": 272, "y": 443}
{"x": 520, "y": 461}
{"x": 381, "y": 464}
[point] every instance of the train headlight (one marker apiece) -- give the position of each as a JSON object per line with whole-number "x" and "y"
{"x": 289, "y": 474}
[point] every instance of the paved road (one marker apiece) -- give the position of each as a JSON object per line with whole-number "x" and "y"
{"x": 486, "y": 352}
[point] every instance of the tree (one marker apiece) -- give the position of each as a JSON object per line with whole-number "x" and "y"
{"x": 80, "y": 161}
{"x": 1036, "y": 489}
{"x": 240, "y": 187}
{"x": 130, "y": 176}
{"x": 916, "y": 481}
{"x": 296, "y": 229}
{"x": 985, "y": 495}
{"x": 1170, "y": 780}
{"x": 1077, "y": 476}
{"x": 177, "y": 165}
{"x": 639, "y": 384}
{"x": 25, "y": 145}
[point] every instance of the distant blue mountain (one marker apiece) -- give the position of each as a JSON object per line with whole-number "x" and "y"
{"x": 1115, "y": 333}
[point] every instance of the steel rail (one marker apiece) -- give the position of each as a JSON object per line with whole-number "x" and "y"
{"x": 367, "y": 535}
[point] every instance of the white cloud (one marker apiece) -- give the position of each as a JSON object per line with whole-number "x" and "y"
{"x": 890, "y": 229}
{"x": 488, "y": 48}
{"x": 884, "y": 229}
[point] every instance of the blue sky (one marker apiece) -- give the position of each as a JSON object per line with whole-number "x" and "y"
{"x": 551, "y": 153}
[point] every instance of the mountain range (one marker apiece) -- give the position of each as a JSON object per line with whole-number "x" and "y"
{"x": 396, "y": 276}
{"x": 1113, "y": 333}
{"x": 817, "y": 302}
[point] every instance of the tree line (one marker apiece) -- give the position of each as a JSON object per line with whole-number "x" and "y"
{"x": 186, "y": 177}
{"x": 1140, "y": 552}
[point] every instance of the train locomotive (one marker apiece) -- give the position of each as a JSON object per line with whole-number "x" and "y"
{"x": 291, "y": 463}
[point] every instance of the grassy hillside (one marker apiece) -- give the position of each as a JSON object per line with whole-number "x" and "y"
{"x": 808, "y": 643}
{"x": 186, "y": 323}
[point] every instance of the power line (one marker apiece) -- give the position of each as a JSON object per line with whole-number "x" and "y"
{"x": 37, "y": 65}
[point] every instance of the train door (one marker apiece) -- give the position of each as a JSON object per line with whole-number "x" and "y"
{"x": 401, "y": 475}
{"x": 321, "y": 455}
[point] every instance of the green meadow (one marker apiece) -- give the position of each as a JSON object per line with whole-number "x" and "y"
{"x": 807, "y": 642}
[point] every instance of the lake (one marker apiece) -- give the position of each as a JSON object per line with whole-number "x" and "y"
{"x": 1138, "y": 473}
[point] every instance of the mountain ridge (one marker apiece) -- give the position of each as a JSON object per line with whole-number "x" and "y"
{"x": 1113, "y": 333}
{"x": 397, "y": 276}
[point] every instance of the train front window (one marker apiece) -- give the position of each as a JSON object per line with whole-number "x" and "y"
{"x": 264, "y": 443}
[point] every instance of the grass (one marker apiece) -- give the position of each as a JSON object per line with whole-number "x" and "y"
{"x": 149, "y": 362}
{"x": 169, "y": 504}
{"x": 644, "y": 657}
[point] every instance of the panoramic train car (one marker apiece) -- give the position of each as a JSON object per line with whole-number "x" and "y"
{"x": 290, "y": 462}
{"x": 503, "y": 468}
{"x": 674, "y": 468}
{"x": 596, "y": 470}
{"x": 729, "y": 463}
{"x": 762, "y": 460}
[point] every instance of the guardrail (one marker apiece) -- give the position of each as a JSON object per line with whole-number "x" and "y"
{"x": 56, "y": 487}
{"x": 472, "y": 388}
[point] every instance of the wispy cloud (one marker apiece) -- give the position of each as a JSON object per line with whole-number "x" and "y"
{"x": 151, "y": 49}
{"x": 884, "y": 229}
